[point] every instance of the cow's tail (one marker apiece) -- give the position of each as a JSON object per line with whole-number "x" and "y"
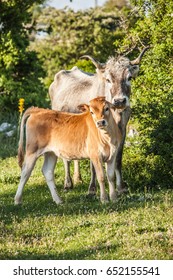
{"x": 21, "y": 153}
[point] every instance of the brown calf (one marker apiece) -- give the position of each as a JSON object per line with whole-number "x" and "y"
{"x": 92, "y": 134}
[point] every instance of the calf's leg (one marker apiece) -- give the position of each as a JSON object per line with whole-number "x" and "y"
{"x": 92, "y": 186}
{"x": 27, "y": 168}
{"x": 77, "y": 176}
{"x": 68, "y": 184}
{"x": 50, "y": 160}
{"x": 110, "y": 172}
{"x": 101, "y": 180}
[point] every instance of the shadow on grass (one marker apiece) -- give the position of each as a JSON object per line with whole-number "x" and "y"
{"x": 37, "y": 202}
{"x": 78, "y": 254}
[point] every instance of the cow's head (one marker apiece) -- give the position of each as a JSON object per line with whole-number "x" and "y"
{"x": 117, "y": 74}
{"x": 100, "y": 110}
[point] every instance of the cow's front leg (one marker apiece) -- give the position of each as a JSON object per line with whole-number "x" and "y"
{"x": 121, "y": 186}
{"x": 77, "y": 176}
{"x": 92, "y": 186}
{"x": 68, "y": 184}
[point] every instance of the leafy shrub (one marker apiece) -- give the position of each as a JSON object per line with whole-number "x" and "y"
{"x": 153, "y": 94}
{"x": 21, "y": 72}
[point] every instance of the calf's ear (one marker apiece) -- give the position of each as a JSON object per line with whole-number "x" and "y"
{"x": 83, "y": 107}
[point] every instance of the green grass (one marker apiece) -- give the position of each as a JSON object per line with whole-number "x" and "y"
{"x": 138, "y": 226}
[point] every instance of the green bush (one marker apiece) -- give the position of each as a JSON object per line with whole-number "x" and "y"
{"x": 21, "y": 72}
{"x": 152, "y": 97}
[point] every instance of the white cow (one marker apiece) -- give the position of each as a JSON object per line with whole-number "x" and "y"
{"x": 112, "y": 80}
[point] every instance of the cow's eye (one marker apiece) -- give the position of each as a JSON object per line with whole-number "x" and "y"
{"x": 129, "y": 78}
{"x": 91, "y": 112}
{"x": 108, "y": 81}
{"x": 106, "y": 109}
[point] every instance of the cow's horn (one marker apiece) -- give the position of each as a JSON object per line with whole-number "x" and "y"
{"x": 138, "y": 59}
{"x": 96, "y": 63}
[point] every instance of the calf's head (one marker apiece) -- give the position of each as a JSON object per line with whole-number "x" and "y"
{"x": 117, "y": 74}
{"x": 100, "y": 110}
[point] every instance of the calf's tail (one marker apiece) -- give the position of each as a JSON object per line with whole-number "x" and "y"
{"x": 21, "y": 140}
{"x": 21, "y": 153}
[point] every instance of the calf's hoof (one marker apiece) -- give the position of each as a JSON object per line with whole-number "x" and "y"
{"x": 17, "y": 201}
{"x": 113, "y": 198}
{"x": 77, "y": 180}
{"x": 58, "y": 201}
{"x": 92, "y": 189}
{"x": 104, "y": 200}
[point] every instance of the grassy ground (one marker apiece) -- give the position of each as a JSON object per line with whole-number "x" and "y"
{"x": 138, "y": 226}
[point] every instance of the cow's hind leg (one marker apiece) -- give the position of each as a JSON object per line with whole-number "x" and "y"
{"x": 68, "y": 184}
{"x": 27, "y": 168}
{"x": 50, "y": 160}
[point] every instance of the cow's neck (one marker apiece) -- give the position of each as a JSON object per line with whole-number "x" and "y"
{"x": 100, "y": 82}
{"x": 121, "y": 118}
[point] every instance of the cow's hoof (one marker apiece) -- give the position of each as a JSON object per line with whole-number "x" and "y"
{"x": 92, "y": 189}
{"x": 68, "y": 185}
{"x": 122, "y": 189}
{"x": 91, "y": 196}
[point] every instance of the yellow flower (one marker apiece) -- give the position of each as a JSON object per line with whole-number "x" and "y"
{"x": 21, "y": 105}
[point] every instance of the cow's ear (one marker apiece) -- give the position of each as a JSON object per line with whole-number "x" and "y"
{"x": 134, "y": 70}
{"x": 112, "y": 106}
{"x": 83, "y": 107}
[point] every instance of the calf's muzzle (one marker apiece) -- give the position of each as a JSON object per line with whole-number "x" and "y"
{"x": 101, "y": 123}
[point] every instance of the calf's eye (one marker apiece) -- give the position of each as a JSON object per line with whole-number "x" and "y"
{"x": 108, "y": 81}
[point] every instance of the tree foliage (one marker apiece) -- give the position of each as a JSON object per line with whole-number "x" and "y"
{"x": 72, "y": 34}
{"x": 20, "y": 70}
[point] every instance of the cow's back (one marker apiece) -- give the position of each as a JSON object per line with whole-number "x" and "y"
{"x": 72, "y": 88}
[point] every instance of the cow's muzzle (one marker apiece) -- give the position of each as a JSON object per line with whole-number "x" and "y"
{"x": 120, "y": 103}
